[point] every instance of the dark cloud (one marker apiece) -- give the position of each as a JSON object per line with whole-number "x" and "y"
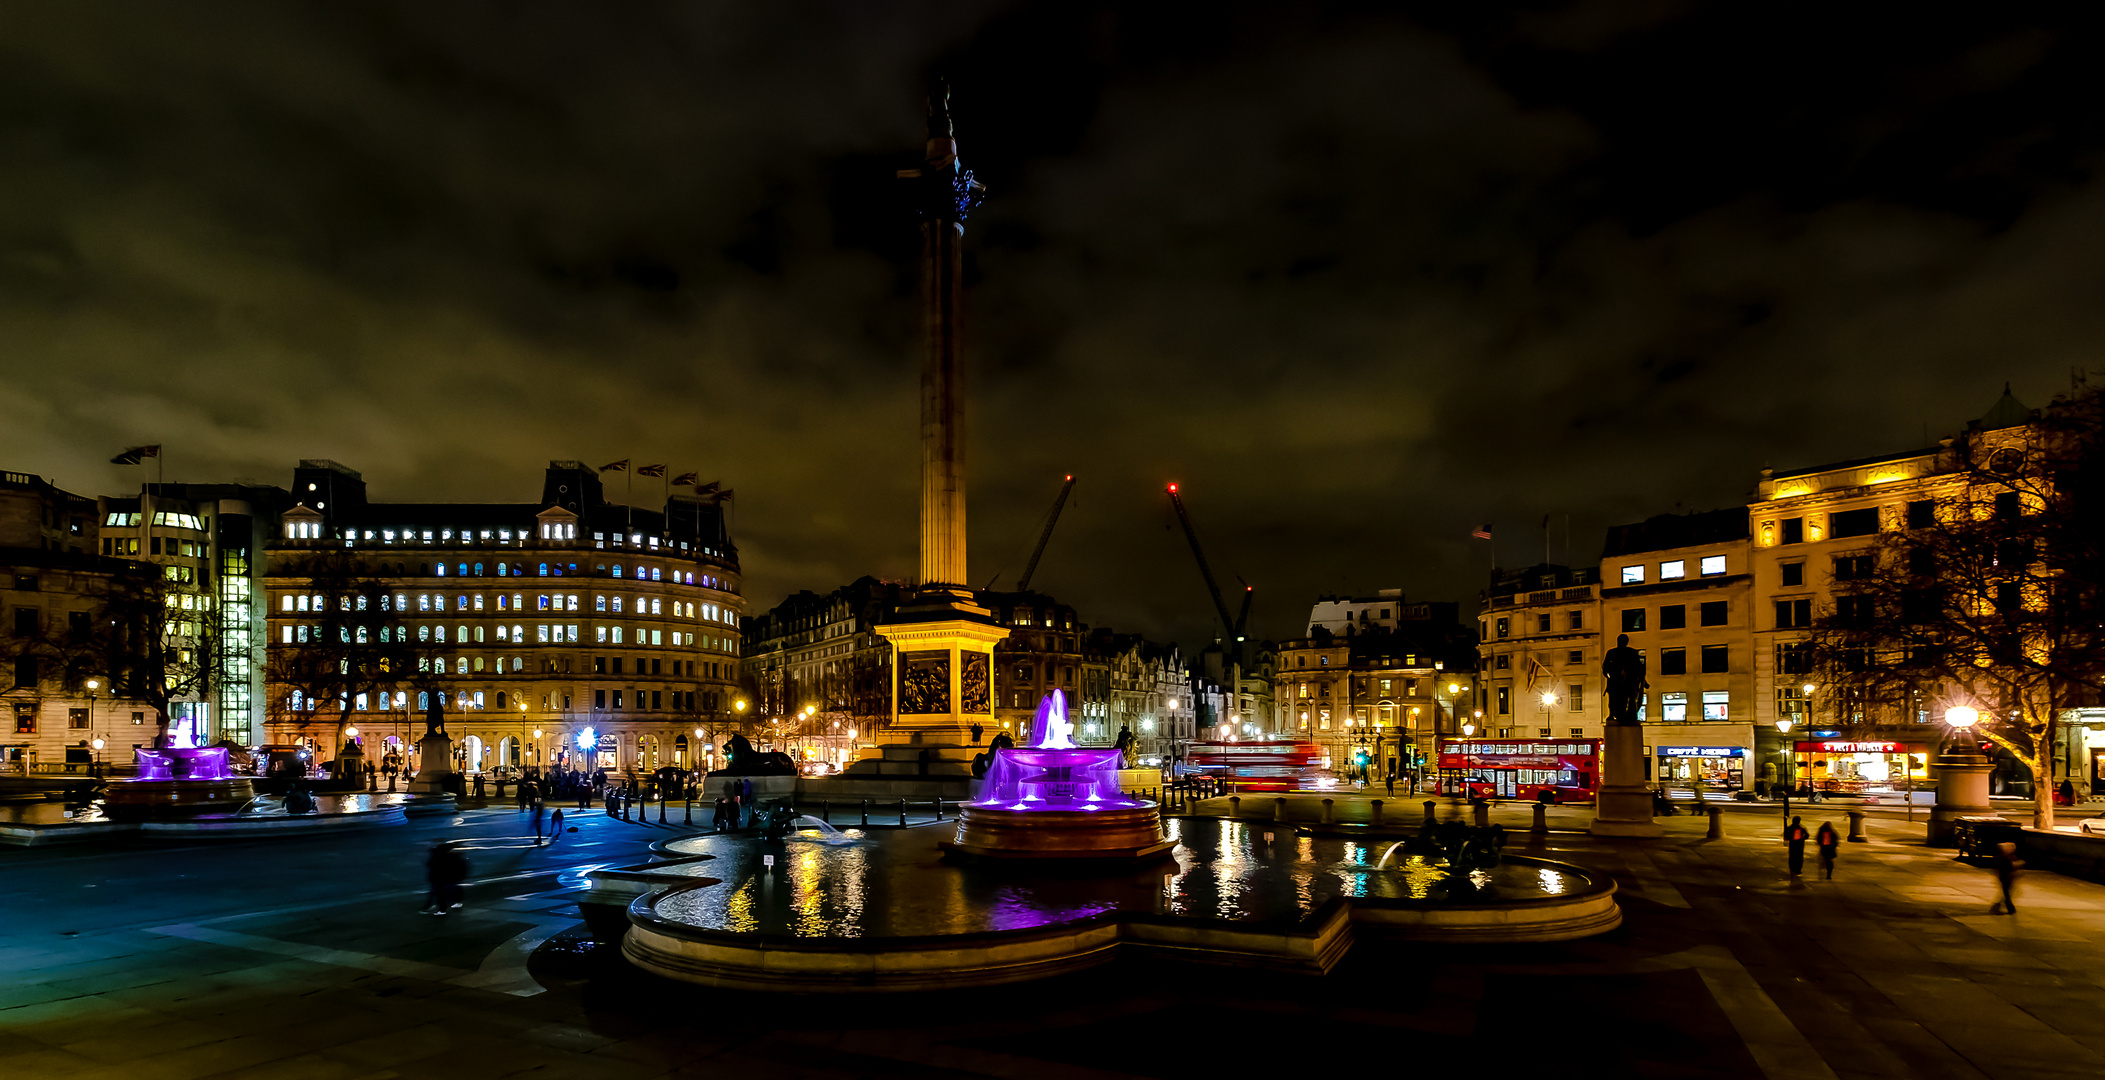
{"x": 1359, "y": 280}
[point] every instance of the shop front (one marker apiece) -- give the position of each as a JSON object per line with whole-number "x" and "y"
{"x": 1711, "y": 768}
{"x": 1861, "y": 766}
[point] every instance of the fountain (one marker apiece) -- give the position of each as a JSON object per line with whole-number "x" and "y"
{"x": 816, "y": 831}
{"x": 1055, "y": 800}
{"x": 178, "y": 783}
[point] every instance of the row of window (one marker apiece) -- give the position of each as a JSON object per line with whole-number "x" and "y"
{"x": 1676, "y": 569}
{"x": 1673, "y": 704}
{"x": 505, "y": 602}
{"x": 1675, "y": 616}
{"x": 644, "y": 701}
{"x": 1544, "y": 624}
{"x": 544, "y": 634}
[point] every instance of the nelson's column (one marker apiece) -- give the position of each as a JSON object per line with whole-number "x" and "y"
{"x": 942, "y": 642}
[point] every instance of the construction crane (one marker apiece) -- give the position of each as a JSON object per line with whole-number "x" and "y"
{"x": 1233, "y": 627}
{"x": 1045, "y": 534}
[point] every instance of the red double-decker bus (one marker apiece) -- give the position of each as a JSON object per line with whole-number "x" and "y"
{"x": 1569, "y": 769}
{"x": 1257, "y": 766}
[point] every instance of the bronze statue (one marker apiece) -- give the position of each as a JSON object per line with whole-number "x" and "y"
{"x": 434, "y": 718}
{"x": 1624, "y": 670}
{"x": 1127, "y": 746}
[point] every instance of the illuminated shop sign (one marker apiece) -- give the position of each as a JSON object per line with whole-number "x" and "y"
{"x": 1702, "y": 751}
{"x": 1844, "y": 746}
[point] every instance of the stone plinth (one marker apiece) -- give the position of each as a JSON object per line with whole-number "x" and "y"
{"x": 1962, "y": 791}
{"x": 1624, "y": 805}
{"x": 435, "y": 765}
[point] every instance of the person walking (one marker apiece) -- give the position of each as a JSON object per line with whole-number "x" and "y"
{"x": 537, "y": 824}
{"x": 1830, "y": 844}
{"x": 555, "y": 826}
{"x": 445, "y": 870}
{"x": 1794, "y": 835}
{"x": 2007, "y": 864}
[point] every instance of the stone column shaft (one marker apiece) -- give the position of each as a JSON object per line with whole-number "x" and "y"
{"x": 942, "y": 408}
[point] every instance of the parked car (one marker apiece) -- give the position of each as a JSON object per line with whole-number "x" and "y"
{"x": 2091, "y": 825}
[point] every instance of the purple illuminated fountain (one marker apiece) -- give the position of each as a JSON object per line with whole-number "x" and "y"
{"x": 179, "y": 783}
{"x": 1056, "y": 800}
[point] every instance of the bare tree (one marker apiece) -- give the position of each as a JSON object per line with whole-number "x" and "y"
{"x": 1989, "y": 600}
{"x": 355, "y": 645}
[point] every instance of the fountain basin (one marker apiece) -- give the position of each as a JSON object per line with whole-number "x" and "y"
{"x": 1122, "y": 832}
{"x": 175, "y": 783}
{"x": 888, "y": 914}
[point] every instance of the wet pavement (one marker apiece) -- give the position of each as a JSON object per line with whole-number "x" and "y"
{"x": 309, "y": 960}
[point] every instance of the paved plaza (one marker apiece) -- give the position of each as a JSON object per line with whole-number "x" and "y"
{"x": 293, "y": 960}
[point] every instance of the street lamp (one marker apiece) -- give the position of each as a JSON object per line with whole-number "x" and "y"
{"x": 1783, "y": 730}
{"x": 1962, "y": 718}
{"x": 96, "y": 769}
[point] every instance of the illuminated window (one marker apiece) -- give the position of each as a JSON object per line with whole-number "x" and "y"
{"x": 1633, "y": 575}
{"x": 1716, "y": 704}
{"x": 1669, "y": 571}
{"x": 1673, "y": 708}
{"x": 1713, "y": 565}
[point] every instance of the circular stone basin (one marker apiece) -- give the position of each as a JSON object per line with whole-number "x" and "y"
{"x": 888, "y": 912}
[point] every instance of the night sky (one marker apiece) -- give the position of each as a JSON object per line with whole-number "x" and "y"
{"x": 1360, "y": 280}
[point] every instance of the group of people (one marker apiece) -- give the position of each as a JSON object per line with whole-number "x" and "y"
{"x": 1828, "y": 842}
{"x": 734, "y": 808}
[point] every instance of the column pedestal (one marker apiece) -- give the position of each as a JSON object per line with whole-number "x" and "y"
{"x": 1962, "y": 791}
{"x": 1624, "y": 805}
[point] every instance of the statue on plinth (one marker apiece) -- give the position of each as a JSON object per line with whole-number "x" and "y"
{"x": 1624, "y": 670}
{"x": 435, "y": 750}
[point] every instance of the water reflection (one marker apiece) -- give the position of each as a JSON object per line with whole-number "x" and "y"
{"x": 894, "y": 883}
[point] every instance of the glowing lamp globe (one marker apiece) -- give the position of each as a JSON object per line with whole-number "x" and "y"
{"x": 1962, "y": 716}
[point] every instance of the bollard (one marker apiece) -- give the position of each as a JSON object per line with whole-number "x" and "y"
{"x": 687, "y": 813}
{"x": 826, "y": 812}
{"x": 1482, "y": 808}
{"x": 1856, "y": 827}
{"x": 939, "y": 808}
{"x": 1235, "y": 806}
{"x": 1429, "y": 804}
{"x": 661, "y": 811}
{"x": 1377, "y": 813}
{"x": 1717, "y": 824}
{"x": 902, "y": 813}
{"x": 1279, "y": 809}
{"x": 1541, "y": 825}
{"x": 866, "y": 813}
{"x": 1330, "y": 816}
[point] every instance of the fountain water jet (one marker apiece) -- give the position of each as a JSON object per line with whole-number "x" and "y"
{"x": 1055, "y": 800}
{"x": 179, "y": 783}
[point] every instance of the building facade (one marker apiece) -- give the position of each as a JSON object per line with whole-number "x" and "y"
{"x": 566, "y": 633}
{"x": 1540, "y": 676}
{"x": 818, "y": 673}
{"x": 1682, "y": 587}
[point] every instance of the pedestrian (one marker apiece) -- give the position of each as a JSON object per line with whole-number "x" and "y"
{"x": 555, "y": 830}
{"x": 722, "y": 811}
{"x": 537, "y": 824}
{"x": 445, "y": 870}
{"x": 1830, "y": 844}
{"x": 1392, "y": 785}
{"x": 1794, "y": 835}
{"x": 2007, "y": 864}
